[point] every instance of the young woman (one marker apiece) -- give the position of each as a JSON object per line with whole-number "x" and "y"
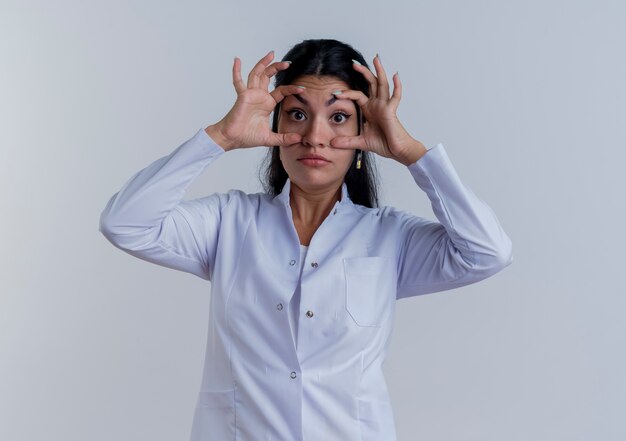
{"x": 304, "y": 276}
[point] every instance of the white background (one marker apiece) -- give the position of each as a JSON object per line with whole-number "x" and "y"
{"x": 528, "y": 98}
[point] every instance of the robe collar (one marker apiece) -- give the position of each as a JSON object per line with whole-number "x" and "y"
{"x": 345, "y": 201}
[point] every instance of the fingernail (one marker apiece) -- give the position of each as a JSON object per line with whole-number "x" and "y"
{"x": 286, "y": 61}
{"x": 378, "y": 56}
{"x": 356, "y": 62}
{"x": 336, "y": 92}
{"x": 302, "y": 87}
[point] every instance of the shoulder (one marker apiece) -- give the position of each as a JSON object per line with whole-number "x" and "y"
{"x": 391, "y": 218}
{"x": 386, "y": 213}
{"x": 238, "y": 199}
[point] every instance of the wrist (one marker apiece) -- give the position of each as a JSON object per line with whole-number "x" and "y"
{"x": 215, "y": 133}
{"x": 413, "y": 154}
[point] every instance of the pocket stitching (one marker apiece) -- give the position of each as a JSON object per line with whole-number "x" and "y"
{"x": 358, "y": 272}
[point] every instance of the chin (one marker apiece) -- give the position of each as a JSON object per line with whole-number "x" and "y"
{"x": 315, "y": 182}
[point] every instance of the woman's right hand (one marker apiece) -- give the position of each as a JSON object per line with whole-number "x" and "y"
{"x": 247, "y": 123}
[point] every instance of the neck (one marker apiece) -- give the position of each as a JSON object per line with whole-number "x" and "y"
{"x": 311, "y": 208}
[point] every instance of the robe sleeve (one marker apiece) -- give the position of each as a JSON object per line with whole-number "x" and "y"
{"x": 148, "y": 219}
{"x": 466, "y": 245}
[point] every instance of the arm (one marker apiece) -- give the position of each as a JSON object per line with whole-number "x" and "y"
{"x": 468, "y": 244}
{"x": 465, "y": 246}
{"x": 148, "y": 219}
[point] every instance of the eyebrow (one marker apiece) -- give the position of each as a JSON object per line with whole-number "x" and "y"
{"x": 303, "y": 101}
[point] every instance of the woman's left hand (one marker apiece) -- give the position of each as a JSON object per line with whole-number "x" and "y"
{"x": 382, "y": 132}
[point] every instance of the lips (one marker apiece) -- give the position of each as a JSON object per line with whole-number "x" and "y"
{"x": 311, "y": 156}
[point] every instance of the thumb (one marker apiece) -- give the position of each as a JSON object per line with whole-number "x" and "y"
{"x": 356, "y": 142}
{"x": 284, "y": 138}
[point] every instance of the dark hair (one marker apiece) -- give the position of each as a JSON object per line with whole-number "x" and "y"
{"x": 325, "y": 57}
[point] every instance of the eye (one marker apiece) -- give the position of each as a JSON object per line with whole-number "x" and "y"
{"x": 295, "y": 112}
{"x": 344, "y": 118}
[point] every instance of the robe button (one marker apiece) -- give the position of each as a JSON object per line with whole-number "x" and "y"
{"x": 309, "y": 313}
{"x": 279, "y": 306}
{"x": 314, "y": 264}
{"x": 293, "y": 374}
{"x": 292, "y": 262}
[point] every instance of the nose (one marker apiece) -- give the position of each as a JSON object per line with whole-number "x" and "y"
{"x": 317, "y": 134}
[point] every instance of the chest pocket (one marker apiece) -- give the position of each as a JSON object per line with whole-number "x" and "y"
{"x": 369, "y": 289}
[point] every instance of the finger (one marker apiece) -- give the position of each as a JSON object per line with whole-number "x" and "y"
{"x": 281, "y": 92}
{"x": 257, "y": 70}
{"x": 397, "y": 91}
{"x": 284, "y": 139}
{"x": 383, "y": 82}
{"x": 237, "y": 81}
{"x": 272, "y": 70}
{"x": 369, "y": 76}
{"x": 348, "y": 142}
{"x": 350, "y": 94}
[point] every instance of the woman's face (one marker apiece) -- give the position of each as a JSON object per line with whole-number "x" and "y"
{"x": 318, "y": 117}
